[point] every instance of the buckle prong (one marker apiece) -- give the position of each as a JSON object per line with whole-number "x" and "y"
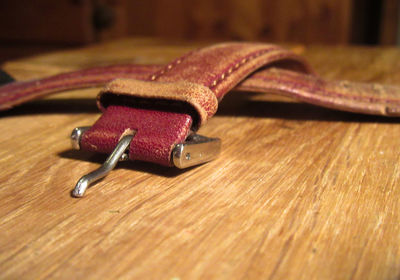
{"x": 117, "y": 155}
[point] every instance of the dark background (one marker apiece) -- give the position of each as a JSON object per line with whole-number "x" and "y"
{"x": 30, "y": 27}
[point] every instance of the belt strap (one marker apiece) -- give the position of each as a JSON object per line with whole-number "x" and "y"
{"x": 188, "y": 89}
{"x": 281, "y": 78}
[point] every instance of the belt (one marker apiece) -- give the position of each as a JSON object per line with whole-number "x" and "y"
{"x": 151, "y": 112}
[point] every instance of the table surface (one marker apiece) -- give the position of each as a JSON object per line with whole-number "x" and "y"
{"x": 298, "y": 192}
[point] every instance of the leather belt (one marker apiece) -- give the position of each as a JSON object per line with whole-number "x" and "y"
{"x": 151, "y": 113}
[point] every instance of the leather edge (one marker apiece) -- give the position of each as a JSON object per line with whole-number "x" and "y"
{"x": 200, "y": 97}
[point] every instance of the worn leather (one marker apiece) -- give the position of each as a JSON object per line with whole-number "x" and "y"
{"x": 13, "y": 94}
{"x": 201, "y": 98}
{"x": 156, "y": 132}
{"x": 161, "y": 104}
{"x": 349, "y": 96}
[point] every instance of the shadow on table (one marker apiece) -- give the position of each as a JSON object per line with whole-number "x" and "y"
{"x": 236, "y": 104}
{"x": 143, "y": 167}
{"x": 140, "y": 166}
{"x": 54, "y": 106}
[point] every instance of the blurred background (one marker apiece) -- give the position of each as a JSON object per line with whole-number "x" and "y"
{"x": 30, "y": 27}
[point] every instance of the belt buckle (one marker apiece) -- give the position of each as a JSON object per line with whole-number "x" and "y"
{"x": 196, "y": 149}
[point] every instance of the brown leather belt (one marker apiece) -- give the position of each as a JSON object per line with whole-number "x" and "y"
{"x": 151, "y": 113}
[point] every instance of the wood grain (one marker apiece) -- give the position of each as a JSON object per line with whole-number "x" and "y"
{"x": 46, "y": 21}
{"x": 299, "y": 192}
{"x": 309, "y": 21}
{"x": 390, "y": 24}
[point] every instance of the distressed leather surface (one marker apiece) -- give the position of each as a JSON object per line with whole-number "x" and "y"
{"x": 201, "y": 98}
{"x": 174, "y": 90}
{"x": 349, "y": 96}
{"x": 20, "y": 92}
{"x": 156, "y": 132}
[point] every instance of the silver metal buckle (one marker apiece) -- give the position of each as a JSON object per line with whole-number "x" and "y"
{"x": 195, "y": 150}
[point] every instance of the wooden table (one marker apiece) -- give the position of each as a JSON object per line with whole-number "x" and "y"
{"x": 299, "y": 192}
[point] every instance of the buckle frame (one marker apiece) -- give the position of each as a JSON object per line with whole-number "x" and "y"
{"x": 196, "y": 149}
